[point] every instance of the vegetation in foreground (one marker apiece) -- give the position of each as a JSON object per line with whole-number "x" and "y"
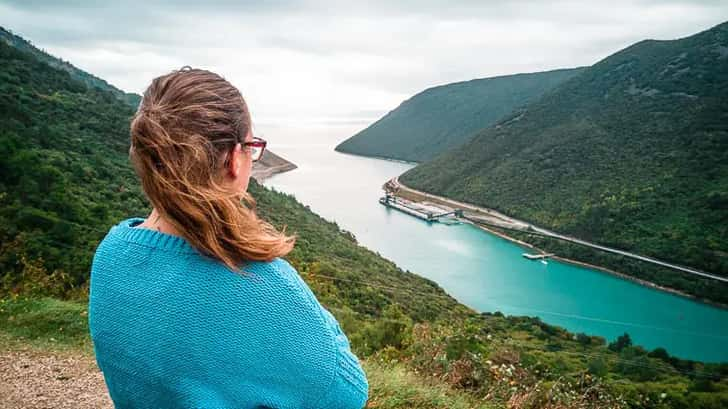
{"x": 53, "y": 326}
{"x": 492, "y": 361}
{"x": 66, "y": 180}
{"x": 631, "y": 153}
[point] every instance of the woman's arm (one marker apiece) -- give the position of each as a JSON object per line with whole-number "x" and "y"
{"x": 349, "y": 388}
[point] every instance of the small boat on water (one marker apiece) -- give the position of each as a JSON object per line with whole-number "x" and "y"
{"x": 541, "y": 257}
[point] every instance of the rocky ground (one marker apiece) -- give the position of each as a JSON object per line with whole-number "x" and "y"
{"x": 33, "y": 379}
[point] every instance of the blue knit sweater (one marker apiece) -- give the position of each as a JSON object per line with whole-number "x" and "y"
{"x": 174, "y": 329}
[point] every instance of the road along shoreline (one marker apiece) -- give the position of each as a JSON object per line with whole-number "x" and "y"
{"x": 489, "y": 220}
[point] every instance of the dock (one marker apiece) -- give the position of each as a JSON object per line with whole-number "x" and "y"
{"x": 421, "y": 211}
{"x": 402, "y": 208}
{"x": 537, "y": 256}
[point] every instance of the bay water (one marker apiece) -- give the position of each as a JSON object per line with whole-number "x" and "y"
{"x": 482, "y": 270}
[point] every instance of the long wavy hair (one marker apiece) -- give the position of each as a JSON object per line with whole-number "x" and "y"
{"x": 186, "y": 126}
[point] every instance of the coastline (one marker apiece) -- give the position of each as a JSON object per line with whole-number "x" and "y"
{"x": 601, "y": 269}
{"x": 378, "y": 157}
{"x": 270, "y": 164}
{"x": 501, "y": 218}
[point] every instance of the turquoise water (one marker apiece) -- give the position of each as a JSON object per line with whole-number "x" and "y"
{"x": 484, "y": 271}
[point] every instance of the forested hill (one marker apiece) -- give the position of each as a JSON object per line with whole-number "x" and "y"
{"x": 631, "y": 153}
{"x": 64, "y": 166}
{"x": 92, "y": 81}
{"x": 442, "y": 117}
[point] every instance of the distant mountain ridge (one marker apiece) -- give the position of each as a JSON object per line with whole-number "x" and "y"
{"x": 92, "y": 81}
{"x": 445, "y": 116}
{"x": 632, "y": 153}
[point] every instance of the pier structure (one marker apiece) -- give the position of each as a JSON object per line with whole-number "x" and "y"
{"x": 422, "y": 211}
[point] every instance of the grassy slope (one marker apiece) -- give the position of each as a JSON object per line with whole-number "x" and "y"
{"x": 442, "y": 117}
{"x": 631, "y": 153}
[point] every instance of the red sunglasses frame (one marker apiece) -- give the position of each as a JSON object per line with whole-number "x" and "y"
{"x": 256, "y": 142}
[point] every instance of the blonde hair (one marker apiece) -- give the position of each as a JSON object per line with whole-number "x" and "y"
{"x": 186, "y": 125}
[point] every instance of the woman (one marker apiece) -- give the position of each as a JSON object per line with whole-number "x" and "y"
{"x": 193, "y": 307}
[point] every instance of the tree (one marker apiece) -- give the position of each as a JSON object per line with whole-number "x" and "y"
{"x": 622, "y": 342}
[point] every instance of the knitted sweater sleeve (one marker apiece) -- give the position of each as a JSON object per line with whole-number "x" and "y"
{"x": 349, "y": 387}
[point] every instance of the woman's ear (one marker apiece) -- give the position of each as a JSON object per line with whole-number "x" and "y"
{"x": 236, "y": 160}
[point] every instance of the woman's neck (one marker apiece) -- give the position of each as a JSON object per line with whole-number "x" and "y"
{"x": 155, "y": 221}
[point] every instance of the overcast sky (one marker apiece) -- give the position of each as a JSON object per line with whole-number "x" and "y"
{"x": 299, "y": 62}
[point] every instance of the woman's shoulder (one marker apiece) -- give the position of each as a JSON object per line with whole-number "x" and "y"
{"x": 284, "y": 274}
{"x": 277, "y": 264}
{"x": 278, "y": 268}
{"x": 114, "y": 240}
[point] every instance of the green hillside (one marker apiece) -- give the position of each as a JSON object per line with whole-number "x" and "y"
{"x": 66, "y": 180}
{"x": 63, "y": 150}
{"x": 632, "y": 153}
{"x": 91, "y": 81}
{"x": 442, "y": 117}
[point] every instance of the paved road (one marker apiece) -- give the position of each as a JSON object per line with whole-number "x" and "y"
{"x": 491, "y": 216}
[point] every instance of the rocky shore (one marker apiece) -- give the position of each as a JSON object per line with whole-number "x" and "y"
{"x": 270, "y": 164}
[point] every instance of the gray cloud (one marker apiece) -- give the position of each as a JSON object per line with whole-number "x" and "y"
{"x": 336, "y": 60}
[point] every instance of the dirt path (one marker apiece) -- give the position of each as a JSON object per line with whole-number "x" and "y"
{"x": 35, "y": 379}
